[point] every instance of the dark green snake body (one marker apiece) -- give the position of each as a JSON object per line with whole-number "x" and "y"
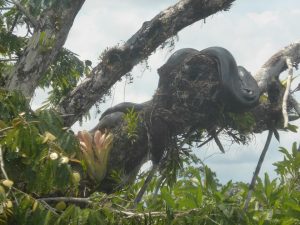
{"x": 240, "y": 87}
{"x": 236, "y": 80}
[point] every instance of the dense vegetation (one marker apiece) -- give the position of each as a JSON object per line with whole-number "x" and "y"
{"x": 39, "y": 162}
{"x": 46, "y": 178}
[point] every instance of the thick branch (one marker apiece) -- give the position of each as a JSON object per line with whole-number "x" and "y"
{"x": 120, "y": 60}
{"x": 43, "y": 47}
{"x": 277, "y": 64}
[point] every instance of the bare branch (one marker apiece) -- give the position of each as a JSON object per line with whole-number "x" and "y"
{"x": 9, "y": 60}
{"x": 5, "y": 129}
{"x": 5, "y": 174}
{"x": 287, "y": 91}
{"x": 153, "y": 214}
{"x": 6, "y": 8}
{"x": 34, "y": 22}
{"x": 257, "y": 169}
{"x": 118, "y": 61}
{"x": 277, "y": 64}
{"x": 14, "y": 23}
{"x": 43, "y": 203}
{"x": 66, "y": 199}
{"x": 2, "y": 164}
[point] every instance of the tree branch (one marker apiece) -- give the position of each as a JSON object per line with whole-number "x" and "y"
{"x": 5, "y": 129}
{"x": 66, "y": 199}
{"x": 118, "y": 61}
{"x": 55, "y": 24}
{"x": 287, "y": 92}
{"x": 34, "y": 22}
{"x": 257, "y": 169}
{"x": 6, "y": 8}
{"x": 2, "y": 164}
{"x": 277, "y": 64}
{"x": 9, "y": 60}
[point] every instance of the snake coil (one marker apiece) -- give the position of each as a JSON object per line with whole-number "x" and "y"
{"x": 240, "y": 86}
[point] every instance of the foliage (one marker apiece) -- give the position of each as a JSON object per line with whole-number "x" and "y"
{"x": 66, "y": 70}
{"x": 63, "y": 75}
{"x": 41, "y": 159}
{"x": 131, "y": 118}
{"x": 38, "y": 153}
{"x": 28, "y": 140}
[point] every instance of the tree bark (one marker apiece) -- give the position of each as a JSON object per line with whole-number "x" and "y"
{"x": 49, "y": 37}
{"x": 277, "y": 64}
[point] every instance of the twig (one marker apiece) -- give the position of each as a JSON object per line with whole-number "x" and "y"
{"x": 5, "y": 129}
{"x": 6, "y": 8}
{"x": 219, "y": 144}
{"x": 26, "y": 13}
{"x": 287, "y": 91}
{"x": 5, "y": 174}
{"x": 210, "y": 138}
{"x": 257, "y": 169}
{"x": 215, "y": 222}
{"x": 2, "y": 164}
{"x": 9, "y": 60}
{"x": 66, "y": 199}
{"x": 132, "y": 214}
{"x": 14, "y": 23}
{"x": 45, "y": 205}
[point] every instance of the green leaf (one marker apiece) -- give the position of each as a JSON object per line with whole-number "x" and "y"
{"x": 167, "y": 197}
{"x": 292, "y": 128}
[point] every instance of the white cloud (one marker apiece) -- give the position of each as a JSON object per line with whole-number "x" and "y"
{"x": 264, "y": 18}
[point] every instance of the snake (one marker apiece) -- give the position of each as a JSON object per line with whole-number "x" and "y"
{"x": 240, "y": 86}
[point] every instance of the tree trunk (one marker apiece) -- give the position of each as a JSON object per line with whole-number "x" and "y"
{"x": 46, "y": 42}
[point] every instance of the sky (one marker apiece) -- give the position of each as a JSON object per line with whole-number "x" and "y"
{"x": 251, "y": 30}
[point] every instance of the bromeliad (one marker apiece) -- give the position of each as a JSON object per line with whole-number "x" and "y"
{"x": 95, "y": 151}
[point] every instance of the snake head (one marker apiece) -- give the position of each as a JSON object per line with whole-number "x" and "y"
{"x": 248, "y": 85}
